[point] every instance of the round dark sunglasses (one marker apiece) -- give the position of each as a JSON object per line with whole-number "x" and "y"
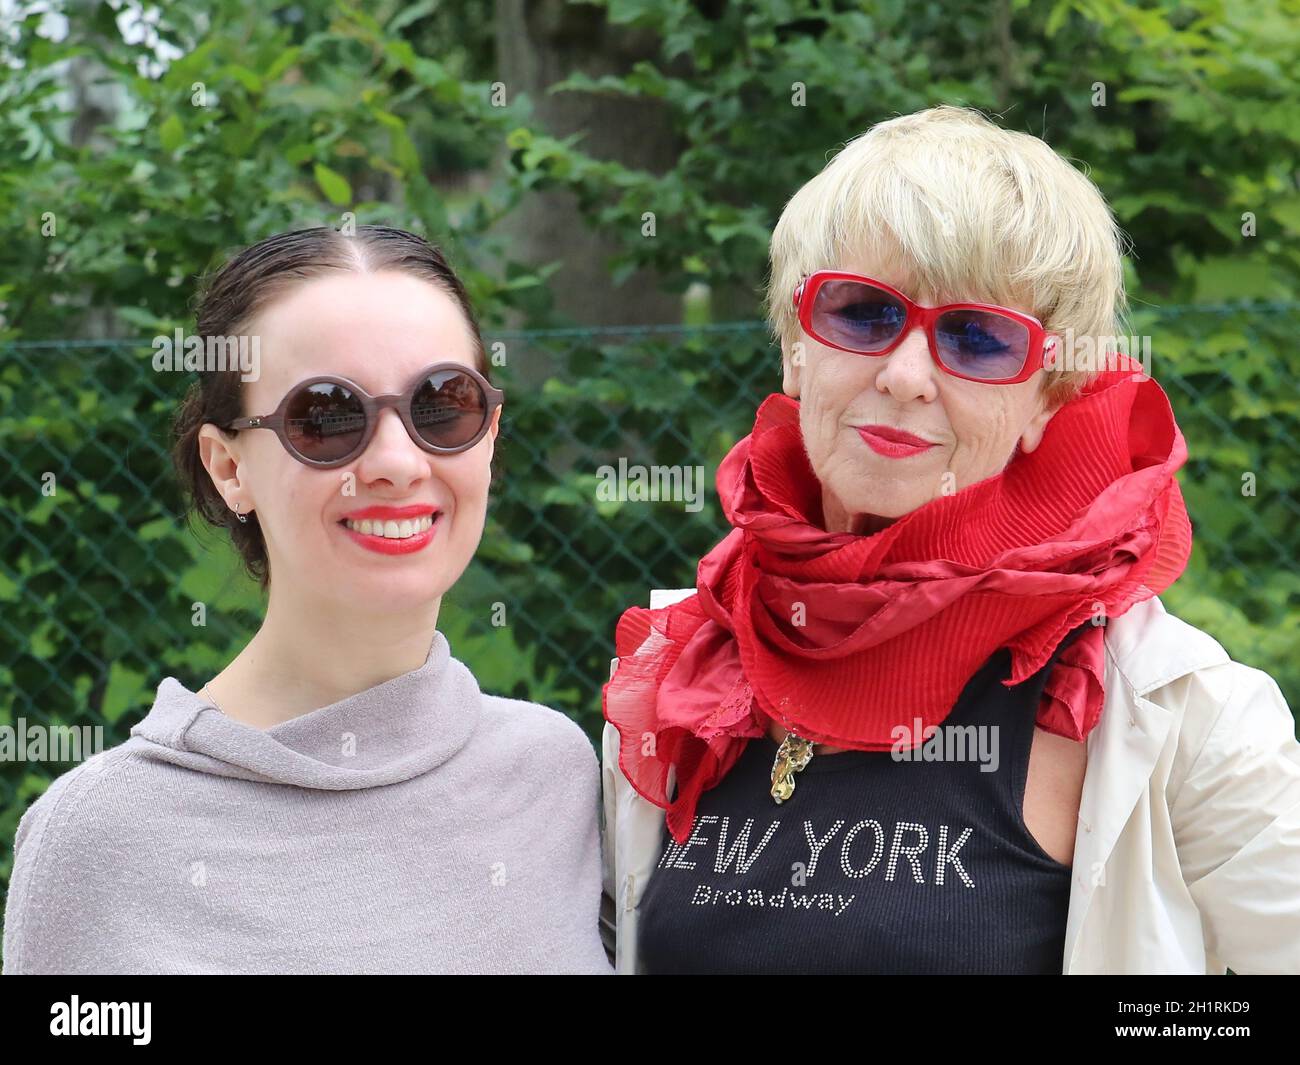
{"x": 328, "y": 421}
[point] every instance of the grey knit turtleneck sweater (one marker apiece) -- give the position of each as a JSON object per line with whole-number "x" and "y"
{"x": 418, "y": 826}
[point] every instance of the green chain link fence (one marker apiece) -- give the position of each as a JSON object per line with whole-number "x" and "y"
{"x": 99, "y": 577}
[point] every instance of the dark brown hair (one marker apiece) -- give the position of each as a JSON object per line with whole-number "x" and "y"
{"x": 239, "y": 290}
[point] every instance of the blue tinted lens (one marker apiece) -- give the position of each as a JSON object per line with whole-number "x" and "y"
{"x": 981, "y": 344}
{"x": 857, "y": 316}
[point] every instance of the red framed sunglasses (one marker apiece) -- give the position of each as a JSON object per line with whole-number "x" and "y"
{"x": 974, "y": 341}
{"x": 328, "y": 421}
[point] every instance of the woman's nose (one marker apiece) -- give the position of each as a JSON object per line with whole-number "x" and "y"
{"x": 391, "y": 454}
{"x": 907, "y": 372}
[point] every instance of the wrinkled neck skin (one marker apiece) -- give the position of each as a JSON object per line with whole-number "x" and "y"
{"x": 836, "y": 519}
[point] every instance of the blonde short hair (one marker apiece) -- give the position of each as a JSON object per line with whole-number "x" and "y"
{"x": 973, "y": 212}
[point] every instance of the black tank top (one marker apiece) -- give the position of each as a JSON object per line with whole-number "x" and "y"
{"x": 876, "y": 863}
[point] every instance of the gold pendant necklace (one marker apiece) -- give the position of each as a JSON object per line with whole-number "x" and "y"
{"x": 794, "y": 753}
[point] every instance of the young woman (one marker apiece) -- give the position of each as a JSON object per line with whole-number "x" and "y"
{"x": 341, "y": 797}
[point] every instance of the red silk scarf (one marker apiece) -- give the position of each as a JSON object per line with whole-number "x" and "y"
{"x": 841, "y": 637}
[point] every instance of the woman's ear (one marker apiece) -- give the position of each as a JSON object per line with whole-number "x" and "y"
{"x": 219, "y": 457}
{"x": 793, "y": 356}
{"x": 1032, "y": 435}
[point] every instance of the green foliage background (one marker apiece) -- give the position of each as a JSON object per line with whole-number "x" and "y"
{"x": 319, "y": 108}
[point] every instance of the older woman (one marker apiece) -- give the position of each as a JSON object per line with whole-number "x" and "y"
{"x": 341, "y": 797}
{"x": 923, "y": 712}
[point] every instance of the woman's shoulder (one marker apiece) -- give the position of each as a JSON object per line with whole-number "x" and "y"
{"x": 92, "y": 806}
{"x": 1166, "y": 660}
{"x": 67, "y": 799}
{"x": 1227, "y": 713}
{"x": 58, "y": 848}
{"x": 1232, "y": 717}
{"x": 1150, "y": 647}
{"x": 535, "y": 729}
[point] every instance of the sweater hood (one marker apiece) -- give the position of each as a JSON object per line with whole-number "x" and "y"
{"x": 388, "y": 733}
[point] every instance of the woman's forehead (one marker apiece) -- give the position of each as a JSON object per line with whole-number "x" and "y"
{"x": 357, "y": 310}
{"x": 362, "y": 328}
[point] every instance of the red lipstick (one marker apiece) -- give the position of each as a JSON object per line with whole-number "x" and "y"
{"x": 389, "y": 545}
{"x": 892, "y": 443}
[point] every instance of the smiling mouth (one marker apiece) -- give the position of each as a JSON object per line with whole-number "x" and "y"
{"x": 392, "y": 530}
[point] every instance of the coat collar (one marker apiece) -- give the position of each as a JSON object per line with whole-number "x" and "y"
{"x": 1146, "y": 648}
{"x": 1149, "y": 647}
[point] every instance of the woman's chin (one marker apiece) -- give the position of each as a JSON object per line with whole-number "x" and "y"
{"x": 385, "y": 592}
{"x": 876, "y": 509}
